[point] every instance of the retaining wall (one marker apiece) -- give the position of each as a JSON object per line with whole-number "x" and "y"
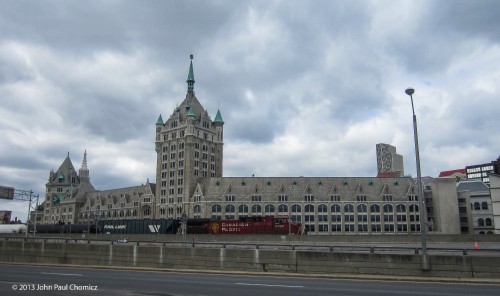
{"x": 255, "y": 260}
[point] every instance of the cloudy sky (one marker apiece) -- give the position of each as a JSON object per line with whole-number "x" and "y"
{"x": 306, "y": 88}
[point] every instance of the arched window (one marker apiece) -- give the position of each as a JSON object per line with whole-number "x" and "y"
{"x": 480, "y": 222}
{"x": 484, "y": 205}
{"x": 256, "y": 209}
{"x": 282, "y": 208}
{"x": 349, "y": 208}
{"x": 242, "y": 209}
{"x": 269, "y": 209}
{"x": 488, "y": 222}
{"x": 229, "y": 212}
{"x": 400, "y": 208}
{"x": 230, "y": 208}
{"x": 216, "y": 208}
{"x": 362, "y": 208}
{"x": 336, "y": 218}
{"x": 309, "y": 208}
{"x": 375, "y": 208}
{"x": 388, "y": 208}
{"x": 197, "y": 209}
{"x": 322, "y": 209}
{"x": 296, "y": 213}
{"x": 477, "y": 206}
{"x": 413, "y": 208}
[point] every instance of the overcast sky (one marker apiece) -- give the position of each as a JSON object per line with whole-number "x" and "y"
{"x": 306, "y": 88}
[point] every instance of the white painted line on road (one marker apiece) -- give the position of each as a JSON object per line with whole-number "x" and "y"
{"x": 66, "y": 274}
{"x": 266, "y": 285}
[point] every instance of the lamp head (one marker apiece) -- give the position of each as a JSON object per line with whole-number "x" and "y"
{"x": 409, "y": 91}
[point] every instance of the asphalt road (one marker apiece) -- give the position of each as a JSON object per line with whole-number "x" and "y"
{"x": 20, "y": 280}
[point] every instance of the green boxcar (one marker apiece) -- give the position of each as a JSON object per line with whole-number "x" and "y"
{"x": 155, "y": 226}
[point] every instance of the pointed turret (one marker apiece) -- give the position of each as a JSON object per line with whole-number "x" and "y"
{"x": 218, "y": 117}
{"x": 159, "y": 121}
{"x": 84, "y": 173}
{"x": 190, "y": 80}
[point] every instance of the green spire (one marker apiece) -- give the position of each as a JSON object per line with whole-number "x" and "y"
{"x": 190, "y": 80}
{"x": 218, "y": 117}
{"x": 190, "y": 112}
{"x": 159, "y": 121}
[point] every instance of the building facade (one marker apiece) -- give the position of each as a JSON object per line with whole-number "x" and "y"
{"x": 65, "y": 193}
{"x": 480, "y": 205}
{"x": 482, "y": 171}
{"x": 190, "y": 183}
{"x": 189, "y": 147}
{"x": 388, "y": 161}
{"x": 495, "y": 200}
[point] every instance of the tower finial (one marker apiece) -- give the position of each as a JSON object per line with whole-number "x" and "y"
{"x": 190, "y": 80}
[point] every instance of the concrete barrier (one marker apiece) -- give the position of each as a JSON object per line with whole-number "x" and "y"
{"x": 255, "y": 260}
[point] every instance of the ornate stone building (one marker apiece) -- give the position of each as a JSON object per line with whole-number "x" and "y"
{"x": 190, "y": 183}
{"x": 70, "y": 198}
{"x": 189, "y": 147}
{"x": 65, "y": 193}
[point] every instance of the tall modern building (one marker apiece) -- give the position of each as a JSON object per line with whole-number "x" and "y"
{"x": 388, "y": 161}
{"x": 189, "y": 146}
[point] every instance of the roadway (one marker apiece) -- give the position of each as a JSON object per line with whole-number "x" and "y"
{"x": 19, "y": 280}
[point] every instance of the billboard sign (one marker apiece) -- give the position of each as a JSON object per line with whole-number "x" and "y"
{"x": 6, "y": 192}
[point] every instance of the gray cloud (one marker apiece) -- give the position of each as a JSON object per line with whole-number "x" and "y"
{"x": 305, "y": 87}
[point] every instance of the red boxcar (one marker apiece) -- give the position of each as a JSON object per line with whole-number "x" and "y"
{"x": 247, "y": 225}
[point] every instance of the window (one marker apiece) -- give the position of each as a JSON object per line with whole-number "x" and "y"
{"x": 412, "y": 197}
{"x": 309, "y": 197}
{"x": 282, "y": 197}
{"x": 309, "y": 218}
{"x": 336, "y": 213}
{"x": 216, "y": 208}
{"x": 269, "y": 209}
{"x": 477, "y": 206}
{"x": 348, "y": 213}
{"x": 484, "y": 205}
{"x": 229, "y": 198}
{"x": 242, "y": 209}
{"x": 282, "y": 209}
{"x": 480, "y": 222}
{"x": 387, "y": 197}
{"x": 296, "y": 213}
{"x": 230, "y": 209}
{"x": 335, "y": 197}
{"x": 488, "y": 222}
{"x": 256, "y": 209}
{"x": 322, "y": 213}
{"x": 361, "y": 197}
{"x": 256, "y": 198}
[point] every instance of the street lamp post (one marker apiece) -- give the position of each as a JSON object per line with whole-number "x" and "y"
{"x": 423, "y": 222}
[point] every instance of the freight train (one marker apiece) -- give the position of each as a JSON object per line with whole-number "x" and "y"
{"x": 247, "y": 225}
{"x": 13, "y": 228}
{"x": 65, "y": 228}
